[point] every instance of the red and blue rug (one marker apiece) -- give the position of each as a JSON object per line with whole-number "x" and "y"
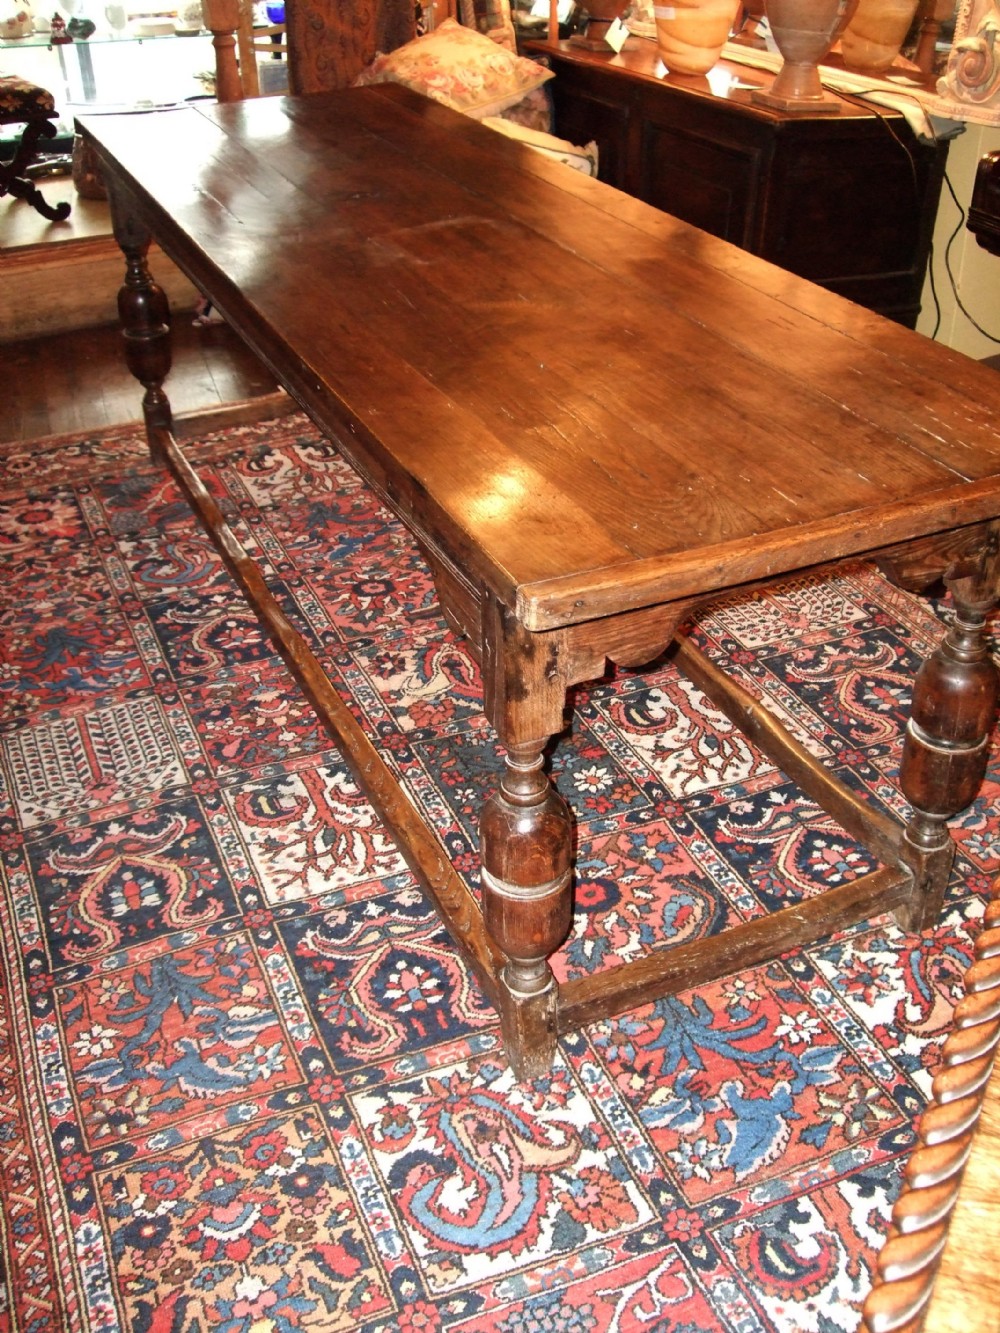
{"x": 246, "y": 1086}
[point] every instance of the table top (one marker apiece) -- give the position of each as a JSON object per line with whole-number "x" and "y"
{"x": 587, "y": 404}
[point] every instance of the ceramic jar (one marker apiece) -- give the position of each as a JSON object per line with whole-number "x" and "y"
{"x": 872, "y": 39}
{"x": 16, "y": 20}
{"x": 690, "y": 34}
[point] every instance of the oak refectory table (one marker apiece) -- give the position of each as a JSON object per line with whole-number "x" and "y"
{"x": 593, "y": 418}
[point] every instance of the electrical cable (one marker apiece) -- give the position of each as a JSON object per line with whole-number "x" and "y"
{"x": 932, "y": 281}
{"x": 885, "y": 120}
{"x": 947, "y": 263}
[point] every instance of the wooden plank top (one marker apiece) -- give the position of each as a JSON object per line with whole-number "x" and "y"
{"x": 587, "y": 404}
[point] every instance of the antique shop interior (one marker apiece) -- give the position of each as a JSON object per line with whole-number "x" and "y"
{"x": 297, "y": 671}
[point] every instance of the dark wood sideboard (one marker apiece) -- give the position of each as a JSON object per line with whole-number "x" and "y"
{"x": 846, "y": 200}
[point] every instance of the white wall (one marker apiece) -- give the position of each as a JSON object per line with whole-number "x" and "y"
{"x": 976, "y": 271}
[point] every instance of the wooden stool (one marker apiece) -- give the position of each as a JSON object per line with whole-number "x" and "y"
{"x": 23, "y": 101}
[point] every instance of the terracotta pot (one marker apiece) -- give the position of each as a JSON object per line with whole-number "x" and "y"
{"x": 804, "y": 31}
{"x": 872, "y": 39}
{"x": 691, "y": 33}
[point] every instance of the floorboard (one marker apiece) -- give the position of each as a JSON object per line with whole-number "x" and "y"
{"x": 79, "y": 381}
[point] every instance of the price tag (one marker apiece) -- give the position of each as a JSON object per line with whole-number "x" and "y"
{"x": 616, "y": 35}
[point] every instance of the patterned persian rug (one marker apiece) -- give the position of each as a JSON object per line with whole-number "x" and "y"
{"x": 245, "y": 1083}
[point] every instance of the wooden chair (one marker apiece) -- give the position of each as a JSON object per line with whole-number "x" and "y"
{"x": 237, "y": 44}
{"x": 327, "y": 42}
{"x": 251, "y": 43}
{"x": 330, "y": 42}
{"x": 937, "y": 1269}
{"x": 24, "y": 102}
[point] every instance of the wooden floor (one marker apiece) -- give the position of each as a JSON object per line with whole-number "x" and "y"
{"x": 21, "y": 226}
{"x": 79, "y": 382}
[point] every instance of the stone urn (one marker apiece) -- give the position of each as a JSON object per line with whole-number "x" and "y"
{"x": 804, "y": 31}
{"x": 872, "y": 39}
{"x": 690, "y": 34}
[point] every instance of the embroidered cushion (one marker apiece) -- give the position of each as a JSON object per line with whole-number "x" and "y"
{"x": 20, "y": 99}
{"x": 461, "y": 68}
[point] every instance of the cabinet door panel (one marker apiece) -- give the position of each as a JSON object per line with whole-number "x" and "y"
{"x": 707, "y": 182}
{"x": 823, "y": 226}
{"x": 581, "y": 117}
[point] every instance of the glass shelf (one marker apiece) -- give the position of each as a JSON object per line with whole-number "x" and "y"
{"x": 113, "y": 71}
{"x": 98, "y": 39}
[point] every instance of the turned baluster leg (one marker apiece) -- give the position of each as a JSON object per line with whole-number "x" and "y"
{"x": 931, "y": 15}
{"x": 526, "y": 835}
{"x": 526, "y": 842}
{"x": 145, "y": 319}
{"x": 946, "y": 750}
{"x": 222, "y": 18}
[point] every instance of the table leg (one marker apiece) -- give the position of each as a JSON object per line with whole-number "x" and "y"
{"x": 948, "y": 739}
{"x": 526, "y": 841}
{"x": 145, "y": 318}
{"x": 526, "y": 836}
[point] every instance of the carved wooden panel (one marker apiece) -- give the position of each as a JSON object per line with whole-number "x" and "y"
{"x": 972, "y": 76}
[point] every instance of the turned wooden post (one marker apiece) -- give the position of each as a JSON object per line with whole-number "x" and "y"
{"x": 144, "y": 313}
{"x": 950, "y": 1136}
{"x": 947, "y": 741}
{"x": 526, "y": 838}
{"x": 931, "y": 17}
{"x": 526, "y": 846}
{"x": 222, "y": 19}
